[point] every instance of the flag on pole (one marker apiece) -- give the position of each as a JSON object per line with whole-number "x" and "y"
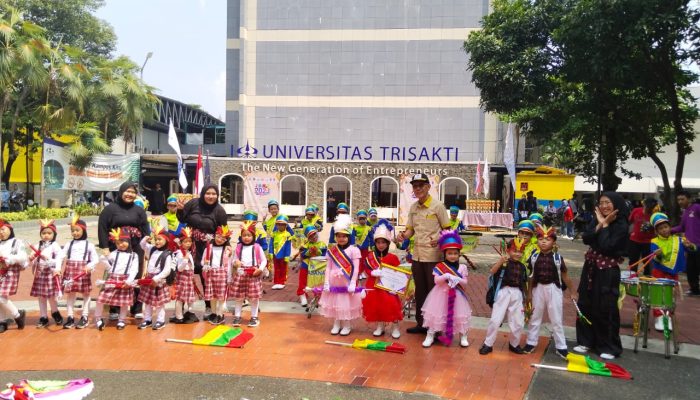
{"x": 485, "y": 178}
{"x": 509, "y": 156}
{"x": 370, "y": 344}
{"x": 477, "y": 178}
{"x": 198, "y": 175}
{"x": 221, "y": 336}
{"x": 207, "y": 171}
{"x": 585, "y": 365}
{"x": 175, "y": 144}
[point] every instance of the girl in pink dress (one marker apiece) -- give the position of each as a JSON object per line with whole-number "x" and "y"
{"x": 446, "y": 308}
{"x": 339, "y": 300}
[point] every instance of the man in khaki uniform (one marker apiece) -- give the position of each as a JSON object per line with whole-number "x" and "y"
{"x": 426, "y": 218}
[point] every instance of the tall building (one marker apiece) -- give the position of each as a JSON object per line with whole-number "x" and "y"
{"x": 375, "y": 80}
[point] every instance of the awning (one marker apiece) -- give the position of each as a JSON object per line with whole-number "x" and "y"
{"x": 628, "y": 185}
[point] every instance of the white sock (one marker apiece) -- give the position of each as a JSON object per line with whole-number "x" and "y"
{"x": 220, "y": 304}
{"x": 254, "y": 307}
{"x": 86, "y": 304}
{"x": 8, "y": 308}
{"x": 238, "y": 307}
{"x": 99, "y": 308}
{"x": 122, "y": 313}
{"x": 148, "y": 313}
{"x": 42, "y": 307}
{"x": 160, "y": 314}
{"x": 213, "y": 303}
{"x": 179, "y": 309}
{"x": 70, "y": 302}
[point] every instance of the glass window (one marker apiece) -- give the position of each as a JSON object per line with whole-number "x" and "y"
{"x": 385, "y": 192}
{"x": 454, "y": 193}
{"x": 232, "y": 189}
{"x": 293, "y": 190}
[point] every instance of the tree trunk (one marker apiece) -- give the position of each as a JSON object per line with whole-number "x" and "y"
{"x": 610, "y": 181}
{"x": 666, "y": 196}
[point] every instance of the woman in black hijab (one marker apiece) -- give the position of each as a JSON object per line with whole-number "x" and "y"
{"x": 203, "y": 215}
{"x": 123, "y": 213}
{"x": 599, "y": 288}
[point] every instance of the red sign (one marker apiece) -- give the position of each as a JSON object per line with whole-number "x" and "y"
{"x": 523, "y": 186}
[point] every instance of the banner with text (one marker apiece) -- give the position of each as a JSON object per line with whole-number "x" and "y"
{"x": 407, "y": 197}
{"x": 261, "y": 187}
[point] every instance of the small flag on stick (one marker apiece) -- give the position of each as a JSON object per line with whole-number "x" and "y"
{"x": 586, "y": 365}
{"x": 221, "y": 336}
{"x": 376, "y": 345}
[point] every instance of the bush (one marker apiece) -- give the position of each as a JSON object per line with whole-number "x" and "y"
{"x": 36, "y": 213}
{"x": 85, "y": 210}
{"x": 15, "y": 216}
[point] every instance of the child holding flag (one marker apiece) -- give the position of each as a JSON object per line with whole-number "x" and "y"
{"x": 380, "y": 306}
{"x": 46, "y": 259}
{"x": 670, "y": 257}
{"x": 154, "y": 293}
{"x": 13, "y": 259}
{"x": 446, "y": 308}
{"x": 509, "y": 297}
{"x": 311, "y": 248}
{"x": 80, "y": 260}
{"x": 281, "y": 245}
{"x": 215, "y": 265}
{"x": 118, "y": 291}
{"x": 246, "y": 272}
{"x": 339, "y": 300}
{"x": 185, "y": 295}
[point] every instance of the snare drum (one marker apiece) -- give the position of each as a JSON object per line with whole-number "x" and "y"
{"x": 631, "y": 286}
{"x": 411, "y": 288}
{"x": 469, "y": 242}
{"x": 658, "y": 293}
{"x": 317, "y": 270}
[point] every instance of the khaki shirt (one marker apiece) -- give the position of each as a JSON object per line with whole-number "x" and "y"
{"x": 427, "y": 220}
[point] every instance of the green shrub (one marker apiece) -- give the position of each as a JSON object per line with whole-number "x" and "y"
{"x": 36, "y": 213}
{"x": 15, "y": 216}
{"x": 85, "y": 210}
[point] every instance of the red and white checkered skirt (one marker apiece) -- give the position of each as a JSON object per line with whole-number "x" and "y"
{"x": 215, "y": 284}
{"x": 185, "y": 287}
{"x": 112, "y": 296}
{"x": 75, "y": 268}
{"x": 9, "y": 281}
{"x": 154, "y": 296}
{"x": 245, "y": 287}
{"x": 44, "y": 284}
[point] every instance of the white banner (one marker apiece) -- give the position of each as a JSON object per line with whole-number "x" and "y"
{"x": 261, "y": 187}
{"x": 105, "y": 173}
{"x": 407, "y": 197}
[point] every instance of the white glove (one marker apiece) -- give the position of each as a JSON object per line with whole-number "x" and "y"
{"x": 453, "y": 281}
{"x": 51, "y": 262}
{"x": 240, "y": 272}
{"x": 363, "y": 294}
{"x": 100, "y": 282}
{"x": 326, "y": 287}
{"x": 206, "y": 267}
{"x": 376, "y": 272}
{"x": 351, "y": 288}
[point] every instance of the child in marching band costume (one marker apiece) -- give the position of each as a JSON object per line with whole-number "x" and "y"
{"x": 260, "y": 233}
{"x": 118, "y": 290}
{"x": 185, "y": 295}
{"x": 339, "y": 300}
{"x": 311, "y": 248}
{"x": 363, "y": 235}
{"x": 46, "y": 260}
{"x": 13, "y": 259}
{"x": 281, "y": 246}
{"x": 446, "y": 308}
{"x": 215, "y": 263}
{"x": 246, "y": 274}
{"x": 80, "y": 258}
{"x": 548, "y": 280}
{"x": 311, "y": 218}
{"x": 372, "y": 217}
{"x": 342, "y": 209}
{"x": 526, "y": 233}
{"x": 381, "y": 306}
{"x": 155, "y": 294}
{"x": 670, "y": 257}
{"x": 455, "y": 224}
{"x": 508, "y": 299}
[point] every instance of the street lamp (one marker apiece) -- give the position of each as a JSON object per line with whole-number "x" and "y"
{"x": 148, "y": 56}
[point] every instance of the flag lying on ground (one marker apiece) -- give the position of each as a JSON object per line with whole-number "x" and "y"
{"x": 221, "y": 336}
{"x": 586, "y": 365}
{"x": 74, "y": 389}
{"x": 370, "y": 344}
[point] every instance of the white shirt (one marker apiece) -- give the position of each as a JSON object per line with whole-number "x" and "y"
{"x": 77, "y": 253}
{"x": 153, "y": 264}
{"x": 51, "y": 256}
{"x": 14, "y": 252}
{"x": 119, "y": 264}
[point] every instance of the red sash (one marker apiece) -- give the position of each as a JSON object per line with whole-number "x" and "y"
{"x": 342, "y": 260}
{"x": 372, "y": 261}
{"x": 443, "y": 269}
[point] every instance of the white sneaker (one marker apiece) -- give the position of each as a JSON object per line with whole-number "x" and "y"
{"x": 659, "y": 324}
{"x": 429, "y": 339}
{"x": 277, "y": 286}
{"x": 336, "y": 327}
{"x": 302, "y": 300}
{"x": 464, "y": 342}
{"x": 581, "y": 349}
{"x": 606, "y": 356}
{"x": 379, "y": 331}
{"x": 346, "y": 328}
{"x": 396, "y": 332}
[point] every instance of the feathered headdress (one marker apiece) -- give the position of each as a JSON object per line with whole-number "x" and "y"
{"x": 449, "y": 239}
{"x": 47, "y": 223}
{"x": 186, "y": 233}
{"x": 249, "y": 226}
{"x": 343, "y": 224}
{"x": 517, "y": 244}
{"x": 76, "y": 221}
{"x": 119, "y": 234}
{"x": 169, "y": 240}
{"x": 5, "y": 223}
{"x": 383, "y": 230}
{"x": 223, "y": 231}
{"x": 544, "y": 231}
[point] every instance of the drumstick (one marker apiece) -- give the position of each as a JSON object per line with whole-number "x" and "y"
{"x": 644, "y": 259}
{"x": 497, "y": 250}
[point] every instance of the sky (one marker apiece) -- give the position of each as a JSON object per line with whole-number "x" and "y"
{"x": 188, "y": 41}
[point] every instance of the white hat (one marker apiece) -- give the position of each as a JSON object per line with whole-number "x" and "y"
{"x": 343, "y": 224}
{"x": 382, "y": 232}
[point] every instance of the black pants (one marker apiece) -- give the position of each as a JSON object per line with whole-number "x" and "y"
{"x": 599, "y": 304}
{"x": 692, "y": 269}
{"x": 423, "y": 278}
{"x": 332, "y": 211}
{"x": 637, "y": 251}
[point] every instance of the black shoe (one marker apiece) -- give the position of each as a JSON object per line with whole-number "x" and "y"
{"x": 3, "y": 327}
{"x": 100, "y": 324}
{"x": 254, "y": 321}
{"x": 158, "y": 326}
{"x": 20, "y": 320}
{"x": 177, "y": 321}
{"x": 562, "y": 353}
{"x": 70, "y": 323}
{"x": 528, "y": 349}
{"x": 82, "y": 323}
{"x": 190, "y": 318}
{"x": 145, "y": 324}
{"x": 516, "y": 349}
{"x": 236, "y": 321}
{"x": 173, "y": 320}
{"x": 57, "y": 317}
{"x": 417, "y": 329}
{"x": 43, "y": 322}
{"x": 484, "y": 350}
{"x": 692, "y": 293}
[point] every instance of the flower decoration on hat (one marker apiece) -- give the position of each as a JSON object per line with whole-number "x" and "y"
{"x": 544, "y": 231}
{"x": 343, "y": 224}
{"x": 449, "y": 239}
{"x": 223, "y": 230}
{"x": 526, "y": 225}
{"x": 658, "y": 218}
{"x": 517, "y": 244}
{"x": 47, "y": 223}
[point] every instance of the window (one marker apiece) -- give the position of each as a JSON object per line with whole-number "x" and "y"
{"x": 293, "y": 190}
{"x": 232, "y": 189}
{"x": 384, "y": 192}
{"x": 453, "y": 192}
